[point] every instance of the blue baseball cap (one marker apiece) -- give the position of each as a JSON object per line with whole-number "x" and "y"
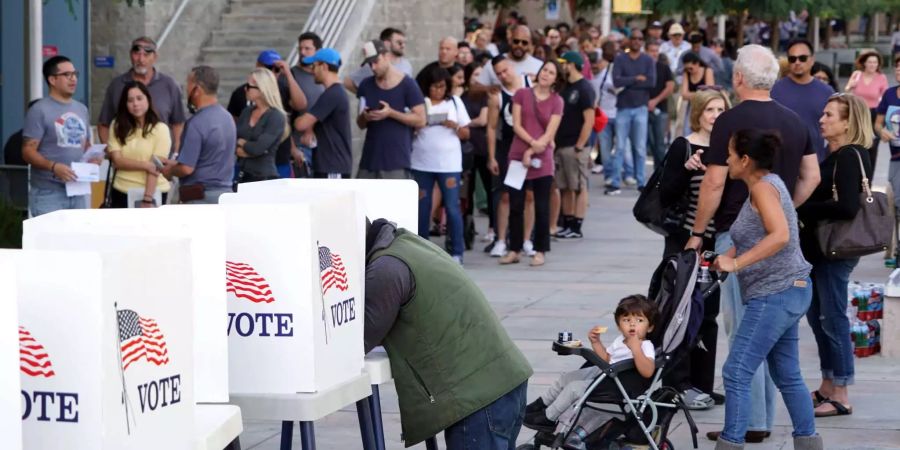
{"x": 326, "y": 55}
{"x": 268, "y": 57}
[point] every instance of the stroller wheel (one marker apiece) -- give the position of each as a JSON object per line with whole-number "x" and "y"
{"x": 666, "y": 445}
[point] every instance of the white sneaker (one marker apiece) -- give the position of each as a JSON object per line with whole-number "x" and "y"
{"x": 528, "y": 248}
{"x": 630, "y": 181}
{"x": 598, "y": 169}
{"x": 458, "y": 259}
{"x": 489, "y": 236}
{"x": 499, "y": 249}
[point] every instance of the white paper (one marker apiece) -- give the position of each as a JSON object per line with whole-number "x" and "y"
{"x": 515, "y": 176}
{"x": 93, "y": 152}
{"x": 89, "y": 172}
{"x": 76, "y": 188}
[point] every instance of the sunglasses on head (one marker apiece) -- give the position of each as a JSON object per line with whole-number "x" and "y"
{"x": 138, "y": 48}
{"x": 522, "y": 42}
{"x": 801, "y": 58}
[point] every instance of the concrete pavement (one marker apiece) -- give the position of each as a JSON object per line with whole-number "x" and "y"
{"x": 579, "y": 287}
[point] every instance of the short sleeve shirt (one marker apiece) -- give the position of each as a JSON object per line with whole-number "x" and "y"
{"x": 436, "y": 147}
{"x": 534, "y": 121}
{"x": 762, "y": 115}
{"x": 61, "y": 129}
{"x": 527, "y": 66}
{"x": 388, "y": 143}
{"x": 164, "y": 92}
{"x": 332, "y": 113}
{"x": 577, "y": 97}
{"x": 138, "y": 147}
{"x": 618, "y": 351}
{"x": 889, "y": 107}
{"x": 808, "y": 101}
{"x": 208, "y": 145}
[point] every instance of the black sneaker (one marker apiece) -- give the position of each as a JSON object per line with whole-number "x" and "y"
{"x": 574, "y": 235}
{"x": 612, "y": 190}
{"x": 561, "y": 234}
{"x": 538, "y": 421}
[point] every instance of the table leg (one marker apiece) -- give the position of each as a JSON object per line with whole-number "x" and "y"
{"x": 287, "y": 434}
{"x": 307, "y": 436}
{"x": 377, "y": 423}
{"x": 365, "y": 424}
{"x": 431, "y": 443}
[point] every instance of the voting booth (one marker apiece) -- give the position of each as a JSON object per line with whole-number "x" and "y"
{"x": 12, "y": 342}
{"x": 110, "y": 337}
{"x": 295, "y": 272}
{"x": 395, "y": 200}
{"x": 204, "y": 226}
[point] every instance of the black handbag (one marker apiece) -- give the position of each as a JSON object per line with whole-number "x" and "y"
{"x": 649, "y": 209}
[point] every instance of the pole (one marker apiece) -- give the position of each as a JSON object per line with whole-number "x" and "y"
{"x": 35, "y": 49}
{"x": 605, "y": 18}
{"x": 721, "y": 20}
{"x": 816, "y": 37}
{"x": 875, "y": 28}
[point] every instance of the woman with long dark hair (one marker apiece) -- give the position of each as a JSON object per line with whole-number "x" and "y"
{"x": 138, "y": 136}
{"x": 696, "y": 73}
{"x": 536, "y": 112}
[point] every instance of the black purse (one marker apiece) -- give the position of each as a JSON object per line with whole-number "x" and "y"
{"x": 649, "y": 209}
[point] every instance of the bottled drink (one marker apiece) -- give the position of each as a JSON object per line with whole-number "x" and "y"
{"x": 704, "y": 275}
{"x": 575, "y": 441}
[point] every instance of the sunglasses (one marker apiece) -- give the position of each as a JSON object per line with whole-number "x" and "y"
{"x": 248, "y": 86}
{"x": 801, "y": 58}
{"x": 67, "y": 75}
{"x": 140, "y": 48}
{"x": 522, "y": 42}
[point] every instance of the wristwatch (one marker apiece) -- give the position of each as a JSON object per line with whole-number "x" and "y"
{"x": 698, "y": 234}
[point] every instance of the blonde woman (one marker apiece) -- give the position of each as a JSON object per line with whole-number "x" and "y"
{"x": 846, "y": 126}
{"x": 261, "y": 128}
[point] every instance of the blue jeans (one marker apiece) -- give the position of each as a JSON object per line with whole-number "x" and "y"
{"x": 768, "y": 332}
{"x": 762, "y": 388}
{"x": 631, "y": 123}
{"x": 43, "y": 200}
{"x": 656, "y": 137}
{"x": 211, "y": 196}
{"x": 494, "y": 427}
{"x": 449, "y": 185}
{"x": 605, "y": 157}
{"x": 827, "y": 317}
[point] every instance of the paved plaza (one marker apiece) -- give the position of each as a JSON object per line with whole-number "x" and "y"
{"x": 578, "y": 288}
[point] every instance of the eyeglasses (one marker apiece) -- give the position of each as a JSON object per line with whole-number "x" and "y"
{"x": 249, "y": 86}
{"x": 714, "y": 87}
{"x": 67, "y": 75}
{"x": 637, "y": 38}
{"x": 801, "y": 58}
{"x": 522, "y": 42}
{"x": 140, "y": 48}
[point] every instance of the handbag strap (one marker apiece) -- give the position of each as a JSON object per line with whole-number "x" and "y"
{"x": 865, "y": 180}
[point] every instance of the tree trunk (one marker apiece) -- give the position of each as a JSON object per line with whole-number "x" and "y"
{"x": 739, "y": 29}
{"x": 829, "y": 31}
{"x": 870, "y": 28}
{"x": 775, "y": 33}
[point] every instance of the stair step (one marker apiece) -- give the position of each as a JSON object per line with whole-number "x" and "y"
{"x": 276, "y": 17}
{"x": 250, "y": 3}
{"x": 261, "y": 40}
{"x": 292, "y": 27}
{"x": 271, "y": 9}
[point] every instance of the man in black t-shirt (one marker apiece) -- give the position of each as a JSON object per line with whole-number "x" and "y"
{"x": 571, "y": 157}
{"x": 658, "y": 118}
{"x": 329, "y": 118}
{"x": 755, "y": 72}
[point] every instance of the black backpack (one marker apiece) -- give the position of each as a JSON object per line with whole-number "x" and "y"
{"x": 649, "y": 209}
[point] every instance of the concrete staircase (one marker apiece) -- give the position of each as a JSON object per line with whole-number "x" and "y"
{"x": 245, "y": 29}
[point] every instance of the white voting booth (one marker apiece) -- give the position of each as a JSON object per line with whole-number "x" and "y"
{"x": 112, "y": 334}
{"x": 10, "y": 341}
{"x": 295, "y": 272}
{"x": 204, "y": 226}
{"x": 395, "y": 200}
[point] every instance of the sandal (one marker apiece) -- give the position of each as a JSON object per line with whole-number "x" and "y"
{"x": 818, "y": 398}
{"x": 509, "y": 258}
{"x": 695, "y": 399}
{"x": 537, "y": 260}
{"x": 839, "y": 409}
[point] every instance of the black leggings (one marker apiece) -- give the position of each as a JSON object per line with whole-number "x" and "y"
{"x": 480, "y": 170}
{"x": 120, "y": 199}
{"x": 541, "y": 189}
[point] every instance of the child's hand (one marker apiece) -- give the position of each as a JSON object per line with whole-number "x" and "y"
{"x": 594, "y": 334}
{"x": 633, "y": 343}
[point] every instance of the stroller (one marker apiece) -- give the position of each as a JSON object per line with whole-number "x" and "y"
{"x": 646, "y": 417}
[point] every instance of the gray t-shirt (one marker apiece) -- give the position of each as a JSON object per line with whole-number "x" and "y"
{"x": 164, "y": 92}
{"x": 62, "y": 130}
{"x": 208, "y": 145}
{"x": 332, "y": 112}
{"x": 311, "y": 90}
{"x": 358, "y": 75}
{"x": 778, "y": 272}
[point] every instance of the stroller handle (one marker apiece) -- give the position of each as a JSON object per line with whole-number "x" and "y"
{"x": 592, "y": 358}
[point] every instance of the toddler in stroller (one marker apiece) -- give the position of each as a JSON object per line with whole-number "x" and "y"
{"x": 635, "y": 316}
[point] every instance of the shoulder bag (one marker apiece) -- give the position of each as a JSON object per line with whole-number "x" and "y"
{"x": 649, "y": 209}
{"x": 869, "y": 232}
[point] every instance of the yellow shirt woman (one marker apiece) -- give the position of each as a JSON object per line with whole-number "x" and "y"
{"x": 139, "y": 148}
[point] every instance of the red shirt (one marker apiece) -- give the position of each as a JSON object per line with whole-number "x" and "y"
{"x": 534, "y": 122}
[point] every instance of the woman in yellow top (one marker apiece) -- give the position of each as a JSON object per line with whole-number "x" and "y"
{"x": 137, "y": 137}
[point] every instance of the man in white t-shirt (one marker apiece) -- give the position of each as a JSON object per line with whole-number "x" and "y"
{"x": 395, "y": 42}
{"x": 675, "y": 47}
{"x": 519, "y": 56}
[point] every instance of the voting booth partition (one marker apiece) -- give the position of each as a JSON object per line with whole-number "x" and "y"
{"x": 111, "y": 335}
{"x": 295, "y": 271}
{"x": 204, "y": 226}
{"x": 12, "y": 342}
{"x": 395, "y": 200}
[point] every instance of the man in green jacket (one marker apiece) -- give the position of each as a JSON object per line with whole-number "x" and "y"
{"x": 454, "y": 366}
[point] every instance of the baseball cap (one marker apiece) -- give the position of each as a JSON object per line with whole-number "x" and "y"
{"x": 676, "y": 28}
{"x": 268, "y": 57}
{"x": 572, "y": 57}
{"x": 655, "y": 24}
{"x": 371, "y": 50}
{"x": 326, "y": 55}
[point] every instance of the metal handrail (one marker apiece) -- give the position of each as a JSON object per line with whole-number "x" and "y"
{"x": 327, "y": 19}
{"x": 171, "y": 24}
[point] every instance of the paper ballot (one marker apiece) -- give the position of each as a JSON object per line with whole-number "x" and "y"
{"x": 86, "y": 173}
{"x": 515, "y": 176}
{"x": 96, "y": 151}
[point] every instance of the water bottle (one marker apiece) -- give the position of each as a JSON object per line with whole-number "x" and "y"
{"x": 704, "y": 278}
{"x": 575, "y": 441}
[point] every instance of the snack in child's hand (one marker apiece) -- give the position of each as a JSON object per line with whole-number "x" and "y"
{"x": 599, "y": 329}
{"x": 574, "y": 343}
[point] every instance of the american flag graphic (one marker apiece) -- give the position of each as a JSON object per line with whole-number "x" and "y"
{"x": 33, "y": 358}
{"x": 243, "y": 281}
{"x": 140, "y": 338}
{"x": 331, "y": 268}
